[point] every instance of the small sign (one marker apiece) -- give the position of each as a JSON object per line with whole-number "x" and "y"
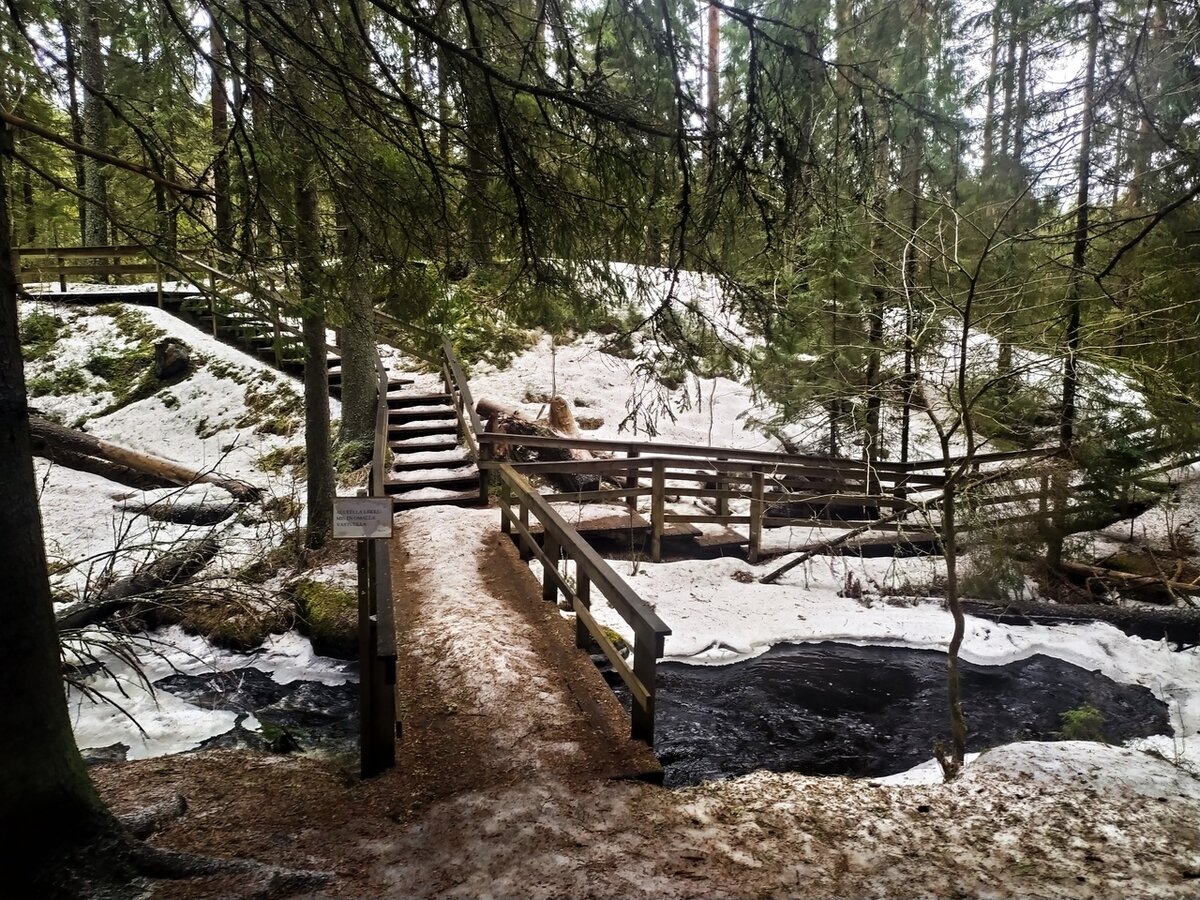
{"x": 359, "y": 518}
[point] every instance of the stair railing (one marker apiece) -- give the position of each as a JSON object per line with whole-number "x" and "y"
{"x": 469, "y": 424}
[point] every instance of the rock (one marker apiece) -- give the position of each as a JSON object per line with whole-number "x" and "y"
{"x": 94, "y": 756}
{"x": 328, "y": 616}
{"x": 171, "y": 359}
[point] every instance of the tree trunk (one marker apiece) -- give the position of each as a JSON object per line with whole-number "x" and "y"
{"x": 713, "y": 72}
{"x": 223, "y": 208}
{"x": 357, "y": 346}
{"x": 47, "y": 802}
{"x": 65, "y": 445}
{"x": 316, "y": 360}
{"x": 1074, "y": 334}
{"x": 989, "y": 115}
{"x": 95, "y": 129}
{"x": 70, "y": 75}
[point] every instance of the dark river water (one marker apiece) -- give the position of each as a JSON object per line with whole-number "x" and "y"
{"x": 837, "y": 709}
{"x": 302, "y": 715}
{"x": 823, "y": 708}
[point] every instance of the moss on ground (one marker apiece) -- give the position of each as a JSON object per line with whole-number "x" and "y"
{"x": 229, "y": 620}
{"x": 271, "y": 406}
{"x": 328, "y": 615}
{"x": 284, "y": 459}
{"x": 39, "y": 332}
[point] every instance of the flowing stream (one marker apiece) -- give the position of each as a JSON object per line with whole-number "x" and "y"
{"x": 837, "y": 709}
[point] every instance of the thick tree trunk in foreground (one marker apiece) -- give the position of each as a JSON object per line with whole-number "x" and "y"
{"x": 47, "y": 802}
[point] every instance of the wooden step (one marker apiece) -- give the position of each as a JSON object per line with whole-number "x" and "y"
{"x": 418, "y": 413}
{"x": 399, "y": 401}
{"x": 410, "y": 499}
{"x": 417, "y": 459}
{"x": 426, "y": 444}
{"x": 461, "y": 480}
{"x": 421, "y": 429}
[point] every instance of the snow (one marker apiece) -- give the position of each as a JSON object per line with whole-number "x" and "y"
{"x": 169, "y": 724}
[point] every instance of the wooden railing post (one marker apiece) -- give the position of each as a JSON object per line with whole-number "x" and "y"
{"x": 757, "y": 494}
{"x": 526, "y": 552}
{"x": 583, "y": 593}
{"x": 646, "y": 650}
{"x": 158, "y": 283}
{"x": 549, "y": 567}
{"x": 658, "y": 502}
{"x": 62, "y": 273}
{"x": 631, "y": 480}
{"x": 720, "y": 500}
{"x": 505, "y": 504}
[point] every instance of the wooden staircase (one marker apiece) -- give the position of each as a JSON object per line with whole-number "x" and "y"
{"x": 430, "y": 464}
{"x": 430, "y": 467}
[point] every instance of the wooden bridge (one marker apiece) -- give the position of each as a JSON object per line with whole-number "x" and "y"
{"x": 687, "y": 486}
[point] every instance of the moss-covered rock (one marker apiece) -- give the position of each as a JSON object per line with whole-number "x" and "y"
{"x": 328, "y": 615}
{"x": 228, "y": 619}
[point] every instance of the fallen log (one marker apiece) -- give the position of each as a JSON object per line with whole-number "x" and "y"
{"x": 170, "y": 570}
{"x": 1157, "y": 589}
{"x": 507, "y": 420}
{"x": 1179, "y": 626}
{"x": 183, "y": 513}
{"x": 67, "y": 447}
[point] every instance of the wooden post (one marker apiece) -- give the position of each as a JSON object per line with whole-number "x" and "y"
{"x": 381, "y": 734}
{"x": 366, "y": 708}
{"x": 212, "y": 301}
{"x": 523, "y": 543}
{"x": 278, "y": 341}
{"x": 645, "y": 662}
{"x": 583, "y": 593}
{"x": 485, "y": 475}
{"x": 658, "y": 501}
{"x": 549, "y": 567}
{"x": 757, "y": 493}
{"x": 158, "y": 281}
{"x": 631, "y": 480}
{"x": 505, "y": 504}
{"x": 720, "y": 500}
{"x": 62, "y": 274}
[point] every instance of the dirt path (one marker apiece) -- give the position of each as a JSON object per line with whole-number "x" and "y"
{"x": 491, "y": 689}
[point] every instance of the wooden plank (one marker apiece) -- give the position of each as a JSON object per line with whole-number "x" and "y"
{"x": 636, "y": 689}
{"x": 617, "y": 494}
{"x": 51, "y": 273}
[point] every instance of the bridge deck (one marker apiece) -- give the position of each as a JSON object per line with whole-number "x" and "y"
{"x": 491, "y": 689}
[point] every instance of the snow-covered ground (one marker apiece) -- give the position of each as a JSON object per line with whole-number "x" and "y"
{"x": 210, "y": 421}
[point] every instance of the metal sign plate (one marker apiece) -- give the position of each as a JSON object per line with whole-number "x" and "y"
{"x": 360, "y": 518}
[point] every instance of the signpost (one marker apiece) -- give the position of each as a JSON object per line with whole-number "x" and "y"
{"x": 368, "y": 520}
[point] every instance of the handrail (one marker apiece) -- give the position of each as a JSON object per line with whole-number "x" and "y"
{"x": 469, "y": 424}
{"x": 376, "y": 621}
{"x": 650, "y": 631}
{"x": 464, "y": 386}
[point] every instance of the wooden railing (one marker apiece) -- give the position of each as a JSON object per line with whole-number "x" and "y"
{"x": 560, "y": 541}
{"x": 469, "y": 425}
{"x": 376, "y": 621}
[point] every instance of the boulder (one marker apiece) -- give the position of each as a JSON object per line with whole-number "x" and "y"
{"x": 171, "y": 360}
